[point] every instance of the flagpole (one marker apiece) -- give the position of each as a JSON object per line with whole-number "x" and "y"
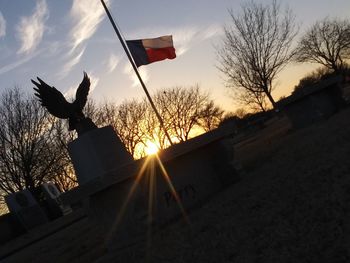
{"x": 136, "y": 71}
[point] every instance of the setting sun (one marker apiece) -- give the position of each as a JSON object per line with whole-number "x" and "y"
{"x": 151, "y": 148}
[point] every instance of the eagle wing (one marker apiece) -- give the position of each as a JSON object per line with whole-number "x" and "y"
{"x": 52, "y": 99}
{"x": 82, "y": 93}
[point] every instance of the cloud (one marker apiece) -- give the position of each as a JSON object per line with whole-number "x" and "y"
{"x": 112, "y": 62}
{"x": 18, "y": 63}
{"x": 212, "y": 31}
{"x": 2, "y": 25}
{"x": 71, "y": 63}
{"x": 70, "y": 93}
{"x": 94, "y": 81}
{"x": 188, "y": 37}
{"x": 183, "y": 38}
{"x": 30, "y": 29}
{"x": 128, "y": 70}
{"x": 86, "y": 15}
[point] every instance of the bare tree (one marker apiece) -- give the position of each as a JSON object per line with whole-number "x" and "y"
{"x": 240, "y": 113}
{"x": 256, "y": 101}
{"x": 153, "y": 131}
{"x": 128, "y": 124}
{"x": 312, "y": 78}
{"x": 181, "y": 109}
{"x": 327, "y": 43}
{"x": 256, "y": 47}
{"x": 210, "y": 116}
{"x": 65, "y": 179}
{"x": 29, "y": 153}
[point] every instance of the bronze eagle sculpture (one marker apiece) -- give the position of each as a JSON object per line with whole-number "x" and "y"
{"x": 56, "y": 104}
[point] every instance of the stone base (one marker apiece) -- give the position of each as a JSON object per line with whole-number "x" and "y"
{"x": 196, "y": 176}
{"x": 97, "y": 153}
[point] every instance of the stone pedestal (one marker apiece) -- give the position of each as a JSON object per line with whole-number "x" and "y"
{"x": 97, "y": 153}
{"x": 137, "y": 198}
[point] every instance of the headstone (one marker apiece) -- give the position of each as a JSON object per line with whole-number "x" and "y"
{"x": 97, "y": 153}
{"x": 55, "y": 207}
{"x": 23, "y": 206}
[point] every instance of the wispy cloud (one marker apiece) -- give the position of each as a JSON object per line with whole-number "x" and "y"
{"x": 112, "y": 62}
{"x": 17, "y": 63}
{"x": 128, "y": 70}
{"x": 70, "y": 64}
{"x": 30, "y": 29}
{"x": 183, "y": 39}
{"x": 2, "y": 25}
{"x": 86, "y": 15}
{"x": 188, "y": 37}
{"x": 94, "y": 81}
{"x": 70, "y": 93}
{"x": 212, "y": 31}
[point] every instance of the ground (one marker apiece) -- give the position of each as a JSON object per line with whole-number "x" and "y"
{"x": 292, "y": 204}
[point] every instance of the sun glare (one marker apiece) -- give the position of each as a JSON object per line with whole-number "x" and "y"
{"x": 151, "y": 148}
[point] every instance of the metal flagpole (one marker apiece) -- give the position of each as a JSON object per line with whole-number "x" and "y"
{"x": 136, "y": 71}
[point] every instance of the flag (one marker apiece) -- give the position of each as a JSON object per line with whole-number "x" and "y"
{"x": 146, "y": 51}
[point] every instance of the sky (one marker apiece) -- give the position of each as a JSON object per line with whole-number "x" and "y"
{"x": 58, "y": 40}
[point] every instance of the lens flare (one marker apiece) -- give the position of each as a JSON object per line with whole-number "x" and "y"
{"x": 172, "y": 189}
{"x": 148, "y": 171}
{"x": 151, "y": 148}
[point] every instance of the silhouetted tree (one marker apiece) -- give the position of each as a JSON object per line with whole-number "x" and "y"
{"x": 152, "y": 129}
{"x": 210, "y": 116}
{"x": 181, "y": 109}
{"x": 127, "y": 121}
{"x": 256, "y": 101}
{"x": 65, "y": 179}
{"x": 256, "y": 47}
{"x": 186, "y": 111}
{"x": 312, "y": 78}
{"x": 327, "y": 43}
{"x": 240, "y": 113}
{"x": 30, "y": 153}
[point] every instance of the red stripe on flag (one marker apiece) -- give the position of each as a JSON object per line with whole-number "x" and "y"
{"x": 160, "y": 54}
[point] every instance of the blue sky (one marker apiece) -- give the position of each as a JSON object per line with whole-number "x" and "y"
{"x": 58, "y": 40}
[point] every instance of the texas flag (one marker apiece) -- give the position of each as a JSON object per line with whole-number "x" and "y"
{"x": 146, "y": 51}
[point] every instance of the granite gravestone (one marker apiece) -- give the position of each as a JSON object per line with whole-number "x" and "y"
{"x": 25, "y": 209}
{"x": 55, "y": 207}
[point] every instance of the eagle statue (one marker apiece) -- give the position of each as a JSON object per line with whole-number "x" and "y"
{"x": 54, "y": 101}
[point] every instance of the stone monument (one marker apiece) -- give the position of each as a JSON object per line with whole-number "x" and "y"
{"x": 119, "y": 189}
{"x": 96, "y": 151}
{"x": 58, "y": 106}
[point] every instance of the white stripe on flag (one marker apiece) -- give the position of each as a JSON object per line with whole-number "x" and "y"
{"x": 159, "y": 42}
